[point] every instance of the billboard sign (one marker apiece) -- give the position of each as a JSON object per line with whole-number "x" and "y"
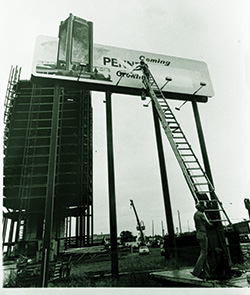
{"x": 116, "y": 66}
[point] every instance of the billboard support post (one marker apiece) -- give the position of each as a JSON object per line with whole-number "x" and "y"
{"x": 202, "y": 141}
{"x": 49, "y": 203}
{"x": 111, "y": 187}
{"x": 165, "y": 187}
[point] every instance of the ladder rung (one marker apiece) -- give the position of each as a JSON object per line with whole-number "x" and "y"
{"x": 215, "y": 220}
{"x": 213, "y": 210}
{"x": 175, "y": 131}
{"x": 170, "y": 123}
{"x": 214, "y": 200}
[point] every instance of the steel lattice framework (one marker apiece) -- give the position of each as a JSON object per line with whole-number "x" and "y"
{"x": 27, "y": 143}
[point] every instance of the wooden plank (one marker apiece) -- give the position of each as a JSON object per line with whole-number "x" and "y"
{"x": 183, "y": 276}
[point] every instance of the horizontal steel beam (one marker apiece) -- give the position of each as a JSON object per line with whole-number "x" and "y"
{"x": 113, "y": 89}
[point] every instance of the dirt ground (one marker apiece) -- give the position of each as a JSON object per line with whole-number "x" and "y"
{"x": 134, "y": 270}
{"x": 127, "y": 262}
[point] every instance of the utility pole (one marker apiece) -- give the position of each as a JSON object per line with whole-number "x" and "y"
{"x": 179, "y": 219}
{"x": 162, "y": 229}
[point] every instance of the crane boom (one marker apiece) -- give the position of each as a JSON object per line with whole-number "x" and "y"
{"x": 140, "y": 227}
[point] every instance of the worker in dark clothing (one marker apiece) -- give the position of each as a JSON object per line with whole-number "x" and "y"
{"x": 145, "y": 70}
{"x": 143, "y": 67}
{"x": 201, "y": 269}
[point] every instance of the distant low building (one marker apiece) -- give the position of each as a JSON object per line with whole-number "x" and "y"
{"x": 99, "y": 239}
{"x": 243, "y": 228}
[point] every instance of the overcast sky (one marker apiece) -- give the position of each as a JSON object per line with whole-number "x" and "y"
{"x": 216, "y": 32}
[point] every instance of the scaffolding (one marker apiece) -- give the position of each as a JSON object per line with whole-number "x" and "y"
{"x": 27, "y": 143}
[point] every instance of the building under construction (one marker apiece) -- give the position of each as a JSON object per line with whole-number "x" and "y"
{"x": 48, "y": 160}
{"x": 27, "y": 162}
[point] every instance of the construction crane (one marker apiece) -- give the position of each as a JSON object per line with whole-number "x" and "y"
{"x": 140, "y": 224}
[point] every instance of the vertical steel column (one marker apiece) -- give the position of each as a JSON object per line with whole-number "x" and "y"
{"x": 179, "y": 219}
{"x": 77, "y": 230}
{"x": 204, "y": 152}
{"x": 111, "y": 182}
{"x": 219, "y": 237}
{"x": 70, "y": 220}
{"x": 49, "y": 203}
{"x": 88, "y": 222}
{"x": 90, "y": 66}
{"x": 5, "y": 222}
{"x": 202, "y": 141}
{"x": 69, "y": 41}
{"x": 84, "y": 225}
{"x": 90, "y": 69}
{"x": 164, "y": 181}
{"x": 92, "y": 224}
{"x": 17, "y": 230}
{"x": 81, "y": 227}
{"x": 66, "y": 228}
{"x": 10, "y": 237}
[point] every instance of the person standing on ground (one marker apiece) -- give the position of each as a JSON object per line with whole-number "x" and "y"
{"x": 201, "y": 269}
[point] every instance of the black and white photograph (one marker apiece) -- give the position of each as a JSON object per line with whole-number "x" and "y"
{"x": 125, "y": 132}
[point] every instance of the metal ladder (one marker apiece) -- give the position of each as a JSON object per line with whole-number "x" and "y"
{"x": 196, "y": 178}
{"x": 14, "y": 78}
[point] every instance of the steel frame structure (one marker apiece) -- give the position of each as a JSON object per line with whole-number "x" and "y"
{"x": 27, "y": 161}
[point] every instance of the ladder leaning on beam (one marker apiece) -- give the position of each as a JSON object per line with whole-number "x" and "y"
{"x": 196, "y": 178}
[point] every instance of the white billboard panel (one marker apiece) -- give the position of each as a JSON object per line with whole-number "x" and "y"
{"x": 114, "y": 65}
